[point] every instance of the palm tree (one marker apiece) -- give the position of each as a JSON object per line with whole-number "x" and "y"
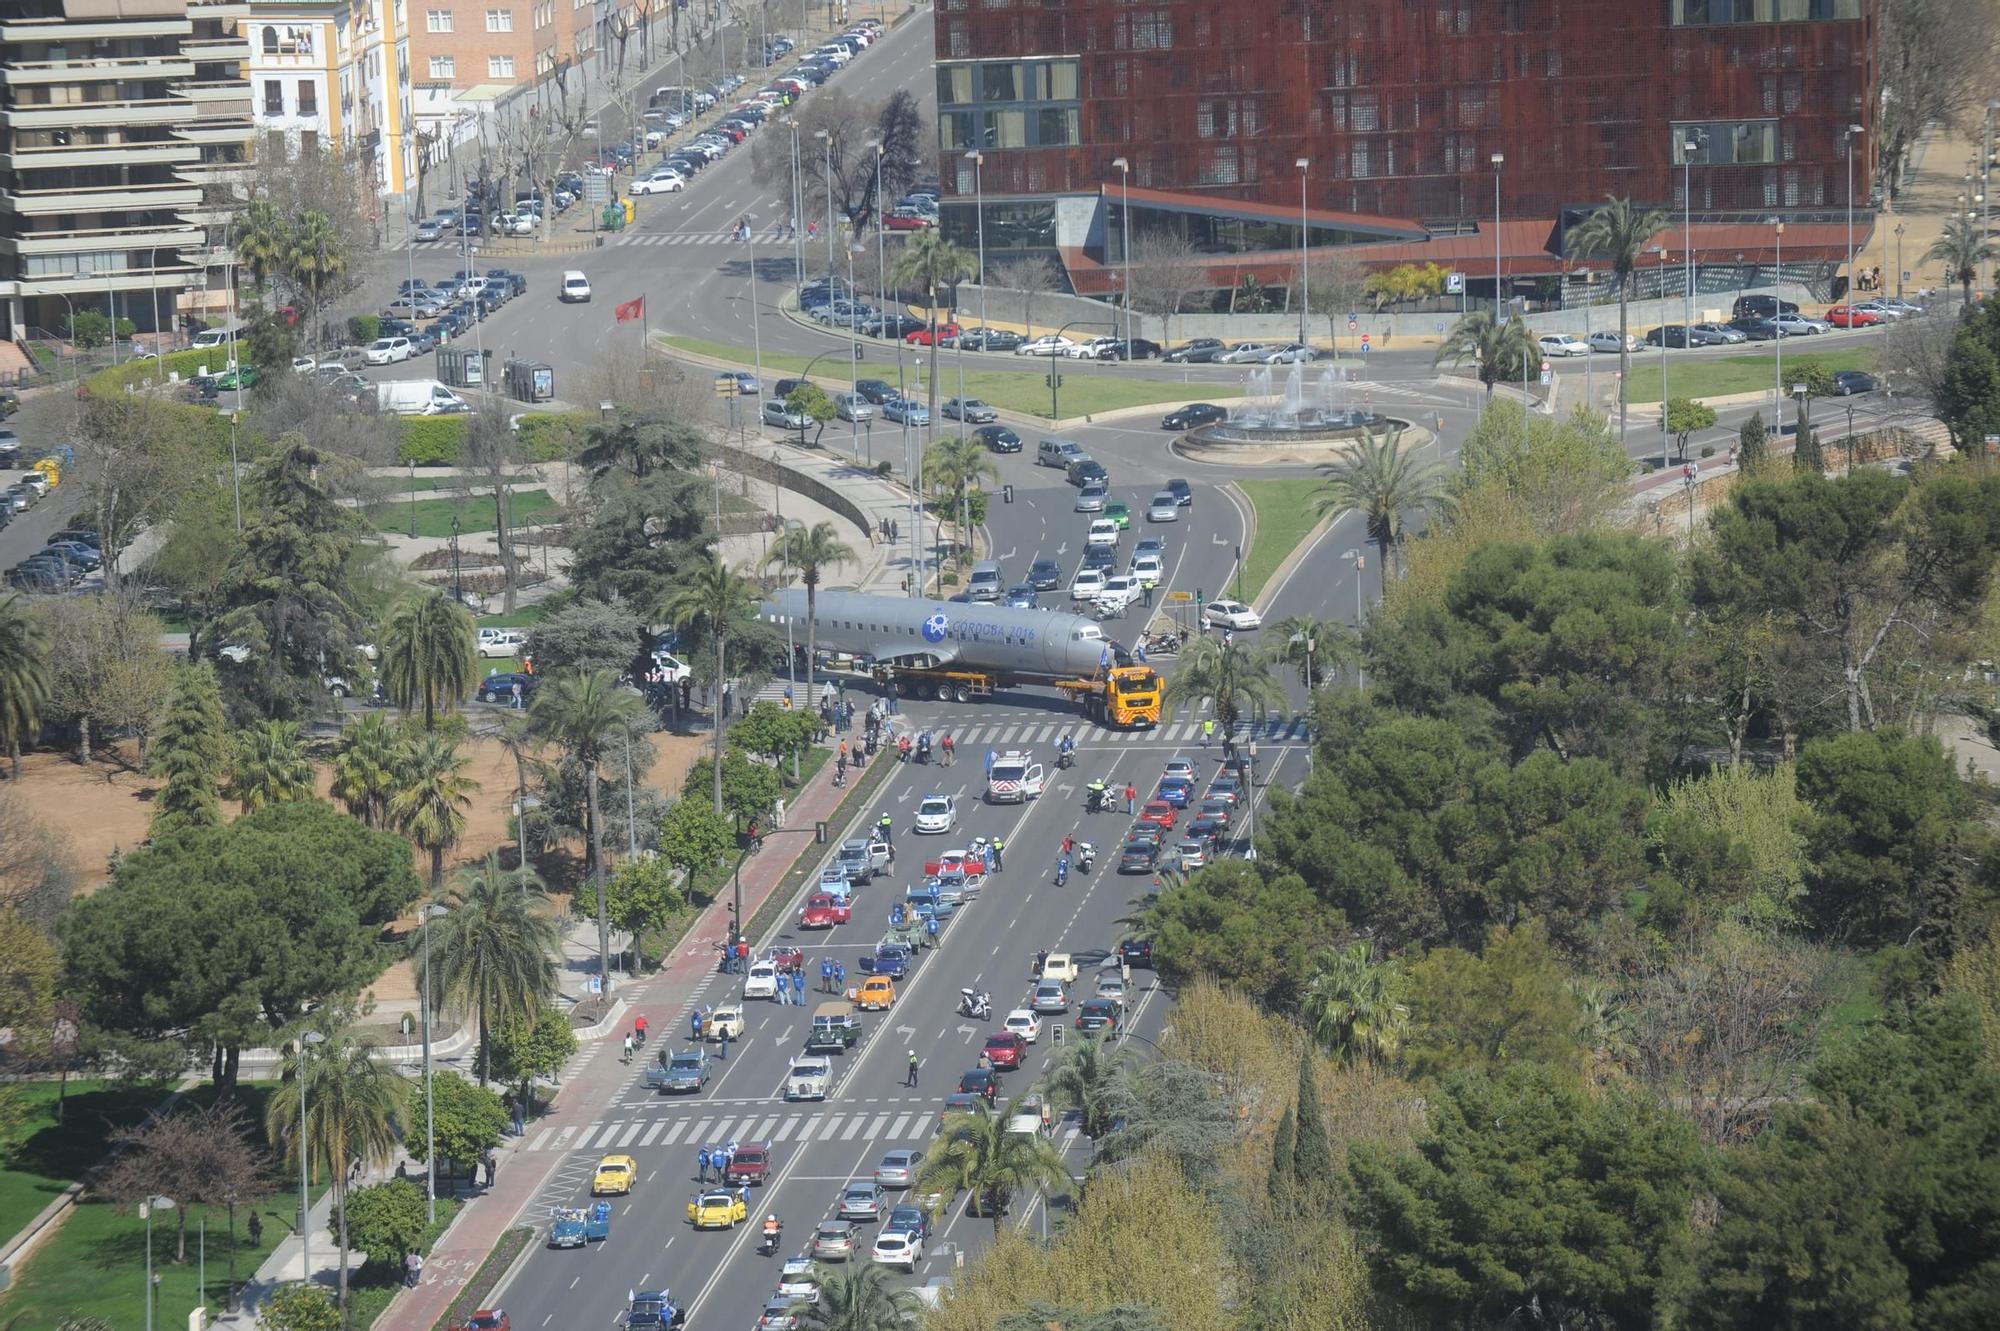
{"x": 365, "y": 760}
{"x": 929, "y": 261}
{"x": 1314, "y": 647}
{"x": 1354, "y": 1006}
{"x": 859, "y": 1296}
{"x": 1505, "y": 353}
{"x": 581, "y": 710}
{"x": 1235, "y": 677}
{"x": 353, "y": 1111}
{"x": 1618, "y": 233}
{"x": 954, "y": 467}
{"x": 716, "y": 597}
{"x": 270, "y": 767}
{"x": 811, "y": 550}
{"x": 1086, "y": 1078}
{"x": 979, "y": 1156}
{"x": 24, "y": 678}
{"x": 493, "y": 952}
{"x": 1382, "y": 481}
{"x": 1961, "y": 249}
{"x": 432, "y": 793}
{"x": 315, "y": 256}
{"x": 429, "y": 654}
{"x": 517, "y": 736}
{"x": 259, "y": 240}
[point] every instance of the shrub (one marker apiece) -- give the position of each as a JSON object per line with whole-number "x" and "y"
{"x": 364, "y": 328}
{"x": 433, "y": 441}
{"x": 553, "y": 436}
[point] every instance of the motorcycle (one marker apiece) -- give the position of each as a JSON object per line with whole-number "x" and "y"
{"x": 974, "y": 1004}
{"x": 924, "y": 747}
{"x": 768, "y": 1244}
{"x": 1066, "y": 755}
{"x": 1166, "y": 644}
{"x": 1086, "y": 855}
{"x": 1062, "y": 870}
{"x": 1098, "y": 800}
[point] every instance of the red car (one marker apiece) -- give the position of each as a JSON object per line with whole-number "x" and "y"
{"x": 489, "y": 1319}
{"x": 785, "y": 957}
{"x": 923, "y": 337}
{"x": 1005, "y": 1049}
{"x": 824, "y": 910}
{"x": 1159, "y": 812}
{"x": 1846, "y": 316}
{"x": 905, "y": 222}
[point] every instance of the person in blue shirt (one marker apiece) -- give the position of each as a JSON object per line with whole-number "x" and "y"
{"x": 701, "y": 1159}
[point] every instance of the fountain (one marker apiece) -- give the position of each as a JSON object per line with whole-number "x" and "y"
{"x": 1276, "y": 422}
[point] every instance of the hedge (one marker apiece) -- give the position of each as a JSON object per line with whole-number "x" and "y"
{"x": 554, "y": 436}
{"x": 433, "y": 441}
{"x": 186, "y": 364}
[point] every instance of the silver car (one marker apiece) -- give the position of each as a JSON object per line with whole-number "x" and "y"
{"x": 899, "y": 1167}
{"x": 1165, "y": 507}
{"x": 853, "y": 407}
{"x": 1090, "y": 499}
{"x": 778, "y": 414}
{"x": 861, "y": 1201}
{"x": 833, "y": 1241}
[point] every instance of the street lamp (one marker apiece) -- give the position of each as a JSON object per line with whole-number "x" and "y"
{"x": 1665, "y": 396}
{"x": 1125, "y": 228}
{"x": 1304, "y": 164}
{"x": 1689, "y": 147}
{"x": 1360, "y": 562}
{"x": 146, "y": 1209}
{"x": 881, "y": 234}
{"x": 432, "y": 911}
{"x": 978, "y": 160}
{"x": 1778, "y": 342}
{"x": 1899, "y": 261}
{"x": 798, "y": 210}
{"x": 827, "y": 180}
{"x": 1499, "y": 160}
{"x": 1847, "y": 148}
{"x": 853, "y": 351}
{"x": 1985, "y": 177}
{"x": 306, "y": 1042}
{"x": 457, "y": 586}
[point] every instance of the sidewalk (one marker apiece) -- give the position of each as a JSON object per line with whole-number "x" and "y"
{"x": 590, "y": 1080}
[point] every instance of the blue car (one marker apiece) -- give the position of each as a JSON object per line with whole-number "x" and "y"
{"x": 905, "y": 412}
{"x": 1022, "y": 597}
{"x": 1175, "y": 790}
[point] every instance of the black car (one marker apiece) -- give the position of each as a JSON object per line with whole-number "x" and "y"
{"x": 1846, "y": 383}
{"x": 1140, "y": 855}
{"x": 499, "y": 687}
{"x": 1100, "y": 556}
{"x": 1760, "y": 307}
{"x": 1045, "y": 575}
{"x": 1136, "y": 348}
{"x": 1211, "y": 830}
{"x": 1087, "y": 470}
{"x": 1022, "y": 597}
{"x": 1674, "y": 335}
{"x": 1757, "y": 330}
{"x": 1099, "y": 1014}
{"x": 1200, "y": 351}
{"x": 1193, "y": 414}
{"x": 982, "y": 1082}
{"x": 990, "y": 339}
{"x": 892, "y": 325}
{"x": 1137, "y": 953}
{"x": 998, "y": 438}
{"x": 1182, "y": 492}
{"x": 875, "y": 390}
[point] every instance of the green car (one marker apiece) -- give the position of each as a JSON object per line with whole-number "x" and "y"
{"x": 1120, "y": 514}
{"x": 245, "y": 377}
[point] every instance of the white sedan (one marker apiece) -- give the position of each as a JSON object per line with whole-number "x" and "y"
{"x": 937, "y": 813}
{"x": 1562, "y": 344}
{"x": 1231, "y": 615}
{"x": 1023, "y": 1023}
{"x": 1050, "y": 345}
{"x": 1606, "y": 339}
{"x": 664, "y": 182}
{"x": 1089, "y": 582}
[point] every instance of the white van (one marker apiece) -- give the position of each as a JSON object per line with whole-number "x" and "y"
{"x": 575, "y": 287}
{"x": 418, "y": 397}
{"x": 209, "y": 338}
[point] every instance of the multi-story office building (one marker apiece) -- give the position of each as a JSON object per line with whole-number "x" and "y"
{"x": 335, "y": 75}
{"x": 1387, "y": 124}
{"x": 123, "y": 125}
{"x": 469, "y": 54}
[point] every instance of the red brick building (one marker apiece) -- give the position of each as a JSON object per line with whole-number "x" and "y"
{"x": 1398, "y": 108}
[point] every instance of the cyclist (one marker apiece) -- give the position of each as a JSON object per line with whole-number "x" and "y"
{"x": 628, "y": 1047}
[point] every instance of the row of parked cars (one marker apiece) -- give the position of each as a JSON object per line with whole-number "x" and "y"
{"x": 70, "y": 556}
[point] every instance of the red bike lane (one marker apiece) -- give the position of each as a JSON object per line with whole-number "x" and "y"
{"x": 598, "y": 1072}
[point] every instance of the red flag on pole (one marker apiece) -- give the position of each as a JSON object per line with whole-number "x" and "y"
{"x": 632, "y": 309}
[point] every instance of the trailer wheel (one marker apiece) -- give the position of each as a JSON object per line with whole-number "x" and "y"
{"x": 960, "y": 694}
{"x": 942, "y": 692}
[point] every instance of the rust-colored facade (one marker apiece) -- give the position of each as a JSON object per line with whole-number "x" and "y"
{"x": 1398, "y": 107}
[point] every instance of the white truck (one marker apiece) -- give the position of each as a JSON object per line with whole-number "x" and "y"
{"x": 418, "y": 397}
{"x": 1015, "y": 779}
{"x": 808, "y": 1077}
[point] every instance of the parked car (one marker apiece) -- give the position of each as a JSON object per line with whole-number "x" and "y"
{"x": 660, "y": 182}
{"x": 1853, "y": 316}
{"x": 1291, "y": 353}
{"x": 1756, "y": 329}
{"x": 1672, "y": 335}
{"x": 1047, "y": 345}
{"x": 1719, "y": 334}
{"x": 1193, "y": 414}
{"x": 1130, "y": 348}
{"x": 1199, "y": 351}
{"x": 1607, "y": 339}
{"x": 1562, "y": 344}
{"x": 990, "y": 339}
{"x": 1245, "y": 353}
{"x": 1796, "y": 325}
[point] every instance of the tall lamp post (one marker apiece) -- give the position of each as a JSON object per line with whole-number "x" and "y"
{"x": 432, "y": 911}
{"x": 1359, "y": 561}
{"x": 1847, "y": 146}
{"x": 1665, "y": 395}
{"x": 306, "y": 1042}
{"x": 978, "y": 160}
{"x": 1985, "y": 184}
{"x": 1899, "y": 261}
{"x": 146, "y": 1209}
{"x": 1778, "y": 343}
{"x": 1499, "y": 160}
{"x": 798, "y": 209}
{"x": 1689, "y": 147}
{"x": 1125, "y": 245}
{"x": 827, "y": 180}
{"x": 457, "y": 586}
{"x": 1305, "y": 305}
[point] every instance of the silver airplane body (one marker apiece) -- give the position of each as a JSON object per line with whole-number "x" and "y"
{"x": 899, "y": 630}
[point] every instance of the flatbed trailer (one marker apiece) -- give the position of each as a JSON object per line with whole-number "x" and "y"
{"x": 1123, "y": 697}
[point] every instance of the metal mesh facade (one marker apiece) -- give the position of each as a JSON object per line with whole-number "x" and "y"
{"x": 1399, "y": 105}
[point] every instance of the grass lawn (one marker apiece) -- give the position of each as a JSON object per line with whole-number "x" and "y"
{"x": 1750, "y": 373}
{"x": 44, "y": 1157}
{"x": 474, "y": 513}
{"x": 1025, "y": 392}
{"x": 1285, "y": 513}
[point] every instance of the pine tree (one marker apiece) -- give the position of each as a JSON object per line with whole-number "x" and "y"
{"x": 1312, "y": 1156}
{"x": 1283, "y": 1149}
{"x": 1806, "y": 456}
{"x": 1751, "y": 443}
{"x": 190, "y": 753}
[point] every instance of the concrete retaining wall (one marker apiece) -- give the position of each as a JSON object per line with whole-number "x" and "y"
{"x": 809, "y": 487}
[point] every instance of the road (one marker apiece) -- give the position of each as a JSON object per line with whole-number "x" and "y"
{"x": 988, "y": 944}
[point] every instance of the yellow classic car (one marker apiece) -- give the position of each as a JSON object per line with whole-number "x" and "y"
{"x": 719, "y": 1210}
{"x": 614, "y": 1174}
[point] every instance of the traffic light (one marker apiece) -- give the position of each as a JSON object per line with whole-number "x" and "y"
{"x": 819, "y": 832}
{"x": 857, "y": 351}
{"x": 1006, "y": 494}
{"x": 1197, "y": 596}
{"x": 1053, "y": 380}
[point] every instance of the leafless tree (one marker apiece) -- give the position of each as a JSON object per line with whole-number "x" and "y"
{"x": 331, "y": 419}
{"x": 1032, "y": 277}
{"x": 1939, "y": 58}
{"x": 1726, "y": 1030}
{"x": 649, "y": 381}
{"x": 140, "y": 456}
{"x": 1166, "y": 274}
{"x": 204, "y": 1156}
{"x": 848, "y": 170}
{"x": 1335, "y": 287}
{"x": 1916, "y": 354}
{"x": 533, "y": 143}
{"x": 37, "y": 874}
{"x": 493, "y": 451}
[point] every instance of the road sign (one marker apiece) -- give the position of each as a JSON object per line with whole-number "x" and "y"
{"x": 1546, "y": 367}
{"x": 1548, "y": 376}
{"x": 1352, "y": 322}
{"x": 1364, "y": 344}
{"x": 725, "y": 385}
{"x": 1180, "y": 598}
{"x": 1454, "y": 284}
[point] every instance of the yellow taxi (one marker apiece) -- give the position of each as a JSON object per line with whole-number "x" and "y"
{"x": 718, "y": 1210}
{"x": 614, "y": 1174}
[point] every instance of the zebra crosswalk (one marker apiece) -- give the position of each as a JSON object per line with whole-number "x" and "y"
{"x": 695, "y": 1129}
{"x": 697, "y": 238}
{"x": 1022, "y": 734}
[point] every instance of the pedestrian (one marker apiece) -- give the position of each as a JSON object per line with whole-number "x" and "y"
{"x": 998, "y": 846}
{"x": 911, "y": 1080}
{"x": 799, "y": 988}
{"x": 701, "y": 1165}
{"x": 410, "y": 1271}
{"x": 731, "y": 1149}
{"x": 887, "y": 827}
{"x": 662, "y": 1056}
{"x": 931, "y": 927}
{"x": 628, "y": 1047}
{"x": 492, "y": 1169}
{"x": 721, "y": 1052}
{"x": 840, "y": 976}
{"x": 825, "y": 974}
{"x": 694, "y": 1021}
{"x": 895, "y": 530}
{"x": 991, "y": 758}
{"x": 742, "y": 954}
{"x": 1207, "y": 732}
{"x": 256, "y": 1226}
{"x": 1131, "y": 799}
{"x": 1068, "y": 843}
{"x": 1041, "y": 960}
{"x": 517, "y": 695}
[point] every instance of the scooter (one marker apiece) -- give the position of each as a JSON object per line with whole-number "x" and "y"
{"x": 974, "y": 1004}
{"x": 1062, "y": 870}
{"x": 1086, "y": 854}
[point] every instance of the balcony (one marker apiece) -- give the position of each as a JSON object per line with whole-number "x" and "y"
{"x": 166, "y": 151}
{"x": 152, "y": 111}
{"x": 100, "y": 199}
{"x": 175, "y": 236}
{"x": 204, "y": 50}
{"x": 31, "y": 73}
{"x": 72, "y": 31}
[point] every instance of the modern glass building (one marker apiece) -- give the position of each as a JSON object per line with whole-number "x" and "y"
{"x": 1397, "y": 110}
